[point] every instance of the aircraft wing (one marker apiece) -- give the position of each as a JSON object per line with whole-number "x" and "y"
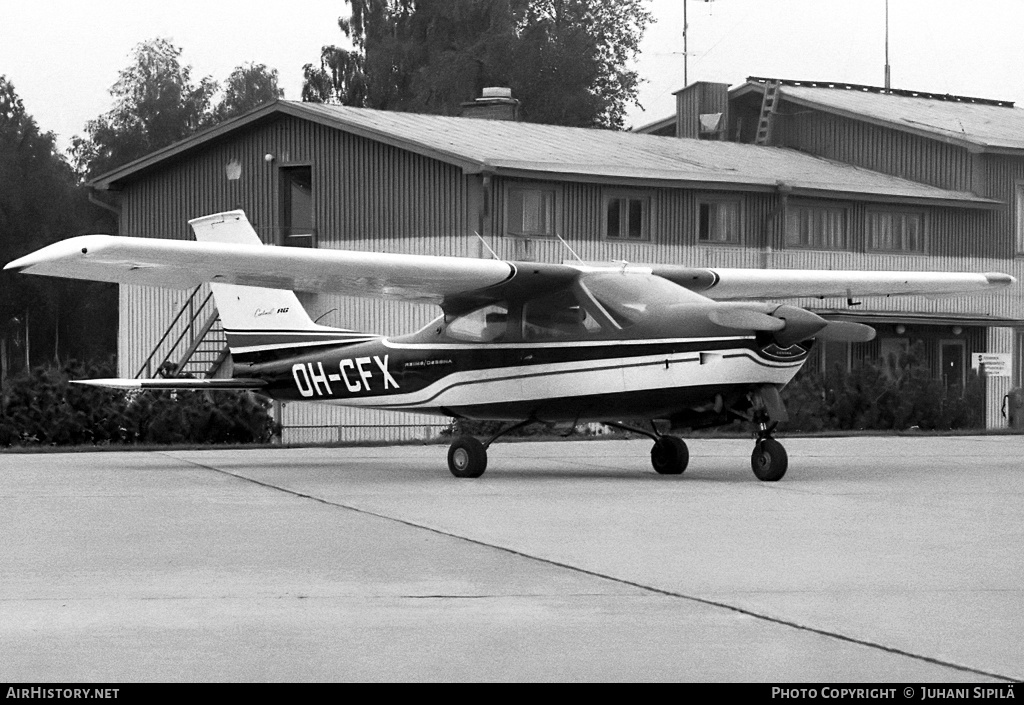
{"x": 454, "y": 281}
{"x": 183, "y": 264}
{"x": 760, "y": 284}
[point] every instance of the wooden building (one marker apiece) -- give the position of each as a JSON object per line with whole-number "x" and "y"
{"x": 312, "y": 175}
{"x": 961, "y": 143}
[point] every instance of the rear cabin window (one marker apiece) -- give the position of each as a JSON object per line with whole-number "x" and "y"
{"x": 484, "y": 325}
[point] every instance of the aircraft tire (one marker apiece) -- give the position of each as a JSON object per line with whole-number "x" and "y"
{"x": 669, "y": 456}
{"x": 769, "y": 460}
{"x": 467, "y": 457}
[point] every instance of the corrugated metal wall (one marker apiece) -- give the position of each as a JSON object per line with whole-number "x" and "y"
{"x": 874, "y": 147}
{"x": 697, "y": 98}
{"x": 1000, "y": 340}
{"x": 372, "y": 196}
{"x": 367, "y": 196}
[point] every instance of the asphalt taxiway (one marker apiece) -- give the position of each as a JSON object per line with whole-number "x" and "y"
{"x": 874, "y": 559}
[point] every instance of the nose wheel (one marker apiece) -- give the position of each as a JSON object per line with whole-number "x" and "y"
{"x": 769, "y": 460}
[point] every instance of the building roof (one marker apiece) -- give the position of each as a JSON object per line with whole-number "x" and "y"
{"x": 979, "y": 124}
{"x": 550, "y": 152}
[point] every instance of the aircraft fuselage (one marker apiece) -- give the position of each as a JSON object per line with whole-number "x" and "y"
{"x": 574, "y": 380}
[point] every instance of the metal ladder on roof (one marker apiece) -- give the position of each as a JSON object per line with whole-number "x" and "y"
{"x": 768, "y": 109}
{"x": 194, "y": 344}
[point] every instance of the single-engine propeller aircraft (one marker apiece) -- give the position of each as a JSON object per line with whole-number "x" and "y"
{"x": 664, "y": 346}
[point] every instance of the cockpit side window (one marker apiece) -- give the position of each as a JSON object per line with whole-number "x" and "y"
{"x": 557, "y": 316}
{"x": 484, "y": 325}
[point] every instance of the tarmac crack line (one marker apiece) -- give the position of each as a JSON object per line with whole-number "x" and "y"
{"x": 623, "y": 581}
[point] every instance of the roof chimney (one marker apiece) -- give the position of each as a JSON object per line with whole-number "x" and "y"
{"x": 494, "y": 103}
{"x": 702, "y": 111}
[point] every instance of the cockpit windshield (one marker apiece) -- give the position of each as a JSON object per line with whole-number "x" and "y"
{"x": 628, "y": 297}
{"x": 552, "y": 316}
{"x": 557, "y": 316}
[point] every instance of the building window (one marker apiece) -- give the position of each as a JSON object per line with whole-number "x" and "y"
{"x": 1020, "y": 217}
{"x": 719, "y": 222}
{"x": 895, "y": 231}
{"x": 627, "y": 217}
{"x": 297, "y": 207}
{"x": 816, "y": 227}
{"x": 531, "y": 212}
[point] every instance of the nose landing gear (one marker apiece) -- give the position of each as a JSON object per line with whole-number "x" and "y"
{"x": 769, "y": 460}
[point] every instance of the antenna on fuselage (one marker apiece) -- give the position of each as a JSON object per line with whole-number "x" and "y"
{"x": 493, "y": 253}
{"x": 572, "y": 251}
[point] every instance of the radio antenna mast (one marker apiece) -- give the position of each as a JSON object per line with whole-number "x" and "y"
{"x": 887, "y": 84}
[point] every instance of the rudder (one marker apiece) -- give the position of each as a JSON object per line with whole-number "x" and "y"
{"x": 257, "y": 319}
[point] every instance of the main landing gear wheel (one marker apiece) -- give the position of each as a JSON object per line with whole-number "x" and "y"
{"x": 669, "y": 455}
{"x": 467, "y": 457}
{"x": 769, "y": 460}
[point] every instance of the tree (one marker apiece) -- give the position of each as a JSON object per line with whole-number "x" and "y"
{"x": 41, "y": 202}
{"x": 248, "y": 87}
{"x": 156, "y": 103}
{"x": 565, "y": 60}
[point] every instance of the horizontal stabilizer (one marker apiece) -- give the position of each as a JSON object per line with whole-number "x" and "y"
{"x": 183, "y": 383}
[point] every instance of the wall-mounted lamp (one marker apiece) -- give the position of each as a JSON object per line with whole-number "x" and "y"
{"x": 957, "y": 330}
{"x": 901, "y": 329}
{"x": 268, "y": 158}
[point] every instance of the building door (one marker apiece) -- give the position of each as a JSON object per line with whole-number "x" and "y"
{"x": 952, "y": 360}
{"x": 297, "y": 207}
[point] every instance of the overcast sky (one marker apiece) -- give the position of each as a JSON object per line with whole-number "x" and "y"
{"x": 63, "y": 56}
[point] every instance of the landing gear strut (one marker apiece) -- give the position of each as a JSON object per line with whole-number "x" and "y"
{"x": 769, "y": 460}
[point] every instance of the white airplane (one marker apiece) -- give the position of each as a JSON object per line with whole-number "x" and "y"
{"x": 669, "y": 346}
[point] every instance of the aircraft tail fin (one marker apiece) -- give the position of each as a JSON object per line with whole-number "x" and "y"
{"x": 258, "y": 319}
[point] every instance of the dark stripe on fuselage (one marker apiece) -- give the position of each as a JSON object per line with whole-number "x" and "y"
{"x": 413, "y": 367}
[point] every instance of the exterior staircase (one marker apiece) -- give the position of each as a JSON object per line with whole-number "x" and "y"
{"x": 194, "y": 344}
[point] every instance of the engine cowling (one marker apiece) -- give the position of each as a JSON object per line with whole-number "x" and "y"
{"x": 789, "y": 324}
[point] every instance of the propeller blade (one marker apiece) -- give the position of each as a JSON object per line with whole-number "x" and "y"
{"x": 745, "y": 319}
{"x": 846, "y": 332}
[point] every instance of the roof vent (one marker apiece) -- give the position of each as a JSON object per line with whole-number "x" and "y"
{"x": 494, "y": 103}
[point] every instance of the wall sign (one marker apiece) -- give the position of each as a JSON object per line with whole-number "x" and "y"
{"x": 995, "y": 364}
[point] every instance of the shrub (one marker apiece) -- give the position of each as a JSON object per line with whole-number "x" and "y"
{"x": 897, "y": 393}
{"x": 42, "y": 407}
